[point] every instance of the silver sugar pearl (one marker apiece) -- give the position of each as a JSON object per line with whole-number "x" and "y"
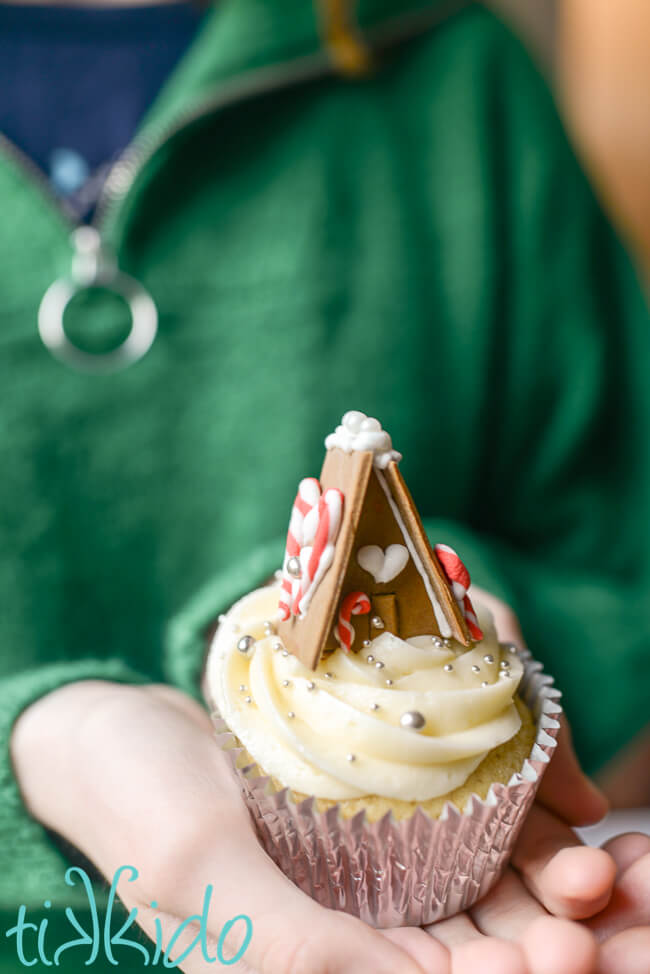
{"x": 485, "y": 683}
{"x": 370, "y": 658}
{"x": 389, "y": 683}
{"x": 446, "y": 643}
{"x": 374, "y": 706}
{"x": 291, "y": 715}
{"x": 476, "y": 669}
{"x": 488, "y": 658}
{"x": 269, "y": 629}
{"x": 293, "y": 567}
{"x": 506, "y": 673}
{"x": 285, "y": 653}
{"x": 512, "y": 648}
{"x": 437, "y": 642}
{"x": 448, "y": 667}
{"x": 247, "y": 700}
{"x": 351, "y": 757}
{"x": 366, "y": 643}
{"x": 311, "y": 685}
{"x": 379, "y": 665}
{"x": 329, "y": 676}
{"x": 245, "y": 643}
{"x": 412, "y": 719}
{"x": 286, "y": 683}
{"x": 377, "y": 622}
{"x": 277, "y": 646}
{"x": 242, "y": 687}
{"x": 504, "y": 664}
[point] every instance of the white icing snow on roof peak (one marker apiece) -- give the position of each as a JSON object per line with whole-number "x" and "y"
{"x": 360, "y": 432}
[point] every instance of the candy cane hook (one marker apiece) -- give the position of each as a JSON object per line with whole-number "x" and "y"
{"x": 354, "y": 604}
{"x": 459, "y": 581}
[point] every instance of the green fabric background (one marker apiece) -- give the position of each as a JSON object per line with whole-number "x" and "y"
{"x": 421, "y": 245}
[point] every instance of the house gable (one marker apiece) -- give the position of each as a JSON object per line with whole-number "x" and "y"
{"x": 378, "y": 511}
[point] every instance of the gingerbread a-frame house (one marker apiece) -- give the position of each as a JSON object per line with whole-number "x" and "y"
{"x": 380, "y": 554}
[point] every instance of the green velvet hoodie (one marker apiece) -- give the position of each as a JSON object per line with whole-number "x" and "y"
{"x": 419, "y": 243}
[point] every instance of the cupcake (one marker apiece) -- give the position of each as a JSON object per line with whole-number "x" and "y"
{"x": 387, "y": 745}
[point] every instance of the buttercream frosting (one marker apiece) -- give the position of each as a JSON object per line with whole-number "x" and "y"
{"x": 335, "y": 732}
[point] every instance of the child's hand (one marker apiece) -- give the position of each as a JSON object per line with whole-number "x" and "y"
{"x": 624, "y": 925}
{"x": 132, "y": 775}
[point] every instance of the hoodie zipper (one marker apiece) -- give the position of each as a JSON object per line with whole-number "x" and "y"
{"x": 128, "y": 167}
{"x": 93, "y": 261}
{"x": 97, "y": 251}
{"x": 35, "y": 175}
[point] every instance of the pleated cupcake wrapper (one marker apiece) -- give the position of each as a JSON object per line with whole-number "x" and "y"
{"x": 409, "y": 872}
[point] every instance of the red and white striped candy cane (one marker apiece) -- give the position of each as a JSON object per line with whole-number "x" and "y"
{"x": 354, "y": 604}
{"x": 307, "y": 497}
{"x": 459, "y": 580}
{"x": 320, "y": 534}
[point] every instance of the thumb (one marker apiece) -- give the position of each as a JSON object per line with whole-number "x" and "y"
{"x": 505, "y": 620}
{"x": 565, "y": 788}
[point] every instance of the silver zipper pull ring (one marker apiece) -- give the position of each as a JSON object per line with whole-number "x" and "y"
{"x": 93, "y": 266}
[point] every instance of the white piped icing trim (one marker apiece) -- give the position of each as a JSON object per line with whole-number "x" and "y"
{"x": 363, "y": 433}
{"x": 443, "y": 625}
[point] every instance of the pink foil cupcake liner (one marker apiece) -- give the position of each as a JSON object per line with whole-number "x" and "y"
{"x": 409, "y": 872}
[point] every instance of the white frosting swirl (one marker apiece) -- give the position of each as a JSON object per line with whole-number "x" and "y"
{"x": 360, "y": 432}
{"x": 335, "y": 732}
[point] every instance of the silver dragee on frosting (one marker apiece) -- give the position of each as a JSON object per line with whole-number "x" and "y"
{"x": 301, "y": 725}
{"x": 360, "y": 432}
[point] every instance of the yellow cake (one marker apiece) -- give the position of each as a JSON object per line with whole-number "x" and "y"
{"x": 497, "y": 767}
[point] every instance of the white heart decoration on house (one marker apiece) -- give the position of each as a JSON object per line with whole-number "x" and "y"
{"x": 383, "y": 565}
